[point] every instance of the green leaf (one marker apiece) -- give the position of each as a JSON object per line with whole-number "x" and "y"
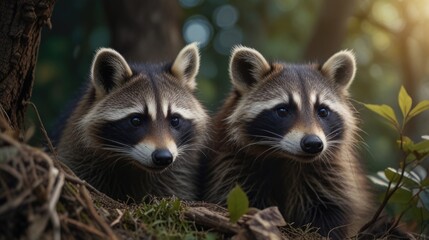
{"x": 421, "y": 107}
{"x": 407, "y": 180}
{"x": 410, "y": 158}
{"x": 238, "y": 203}
{"x": 401, "y": 196}
{"x": 405, "y": 103}
{"x": 392, "y": 174}
{"x": 378, "y": 181}
{"x": 425, "y": 183}
{"x": 385, "y": 111}
{"x": 422, "y": 147}
{"x": 407, "y": 144}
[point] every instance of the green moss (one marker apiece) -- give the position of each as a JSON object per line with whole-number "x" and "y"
{"x": 161, "y": 218}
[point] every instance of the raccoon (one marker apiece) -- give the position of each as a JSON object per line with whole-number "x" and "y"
{"x": 287, "y": 135}
{"x": 138, "y": 129}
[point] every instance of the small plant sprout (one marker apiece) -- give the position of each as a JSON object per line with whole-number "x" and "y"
{"x": 238, "y": 203}
{"x": 408, "y": 186}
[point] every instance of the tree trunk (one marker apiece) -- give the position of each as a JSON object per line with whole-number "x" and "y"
{"x": 329, "y": 31}
{"x": 20, "y": 30}
{"x": 145, "y": 30}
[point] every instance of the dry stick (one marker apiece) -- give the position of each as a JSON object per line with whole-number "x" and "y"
{"x": 17, "y": 201}
{"x": 56, "y": 194}
{"x": 52, "y": 204}
{"x": 89, "y": 203}
{"x": 94, "y": 214}
{"x": 6, "y": 191}
{"x": 84, "y": 227}
{"x": 57, "y": 177}
{"x": 403, "y": 212}
{"x": 385, "y": 200}
{"x": 12, "y": 172}
{"x": 118, "y": 219}
{"x": 399, "y": 219}
{"x": 51, "y": 148}
{"x": 81, "y": 182}
{"x": 42, "y": 127}
{"x": 207, "y": 218}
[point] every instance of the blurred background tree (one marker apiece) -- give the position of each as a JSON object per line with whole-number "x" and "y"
{"x": 389, "y": 38}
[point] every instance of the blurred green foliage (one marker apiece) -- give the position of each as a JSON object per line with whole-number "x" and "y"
{"x": 378, "y": 31}
{"x": 406, "y": 189}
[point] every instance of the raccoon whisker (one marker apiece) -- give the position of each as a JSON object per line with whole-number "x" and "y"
{"x": 112, "y": 141}
{"x": 326, "y": 158}
{"x": 273, "y": 133}
{"x": 269, "y": 151}
{"x": 184, "y": 150}
{"x": 265, "y": 143}
{"x": 275, "y": 138}
{"x": 334, "y": 133}
{"x": 244, "y": 147}
{"x": 198, "y": 146}
{"x": 116, "y": 149}
{"x": 189, "y": 141}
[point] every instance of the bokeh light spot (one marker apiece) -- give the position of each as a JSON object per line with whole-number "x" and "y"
{"x": 225, "y": 16}
{"x": 197, "y": 29}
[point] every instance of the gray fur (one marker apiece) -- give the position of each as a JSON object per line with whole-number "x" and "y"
{"x": 327, "y": 190}
{"x": 148, "y": 89}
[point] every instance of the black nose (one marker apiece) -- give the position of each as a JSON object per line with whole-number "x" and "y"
{"x": 311, "y": 144}
{"x": 162, "y": 157}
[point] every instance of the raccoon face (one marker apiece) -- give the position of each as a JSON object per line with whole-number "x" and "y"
{"x": 145, "y": 115}
{"x": 295, "y": 111}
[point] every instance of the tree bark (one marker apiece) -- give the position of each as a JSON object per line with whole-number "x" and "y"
{"x": 329, "y": 30}
{"x": 20, "y": 30}
{"x": 145, "y": 30}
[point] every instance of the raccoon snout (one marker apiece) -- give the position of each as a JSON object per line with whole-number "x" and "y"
{"x": 311, "y": 144}
{"x": 162, "y": 157}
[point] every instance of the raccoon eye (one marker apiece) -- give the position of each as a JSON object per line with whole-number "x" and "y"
{"x": 175, "y": 121}
{"x": 136, "y": 121}
{"x": 323, "y": 112}
{"x": 282, "y": 111}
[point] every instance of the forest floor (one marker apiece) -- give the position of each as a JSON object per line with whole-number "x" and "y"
{"x": 41, "y": 198}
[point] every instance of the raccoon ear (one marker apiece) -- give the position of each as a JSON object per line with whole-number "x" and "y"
{"x": 109, "y": 70}
{"x": 247, "y": 66}
{"x": 341, "y": 68}
{"x": 186, "y": 65}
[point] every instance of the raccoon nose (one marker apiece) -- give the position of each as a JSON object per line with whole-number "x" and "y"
{"x": 311, "y": 144}
{"x": 162, "y": 157}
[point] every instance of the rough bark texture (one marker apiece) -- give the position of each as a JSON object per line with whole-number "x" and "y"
{"x": 329, "y": 31}
{"x": 145, "y": 30}
{"x": 20, "y": 29}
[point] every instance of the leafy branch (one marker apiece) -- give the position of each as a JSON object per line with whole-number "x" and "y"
{"x": 410, "y": 177}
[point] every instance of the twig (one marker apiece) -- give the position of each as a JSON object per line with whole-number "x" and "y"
{"x": 118, "y": 219}
{"x": 17, "y": 201}
{"x": 42, "y": 128}
{"x": 77, "y": 180}
{"x": 11, "y": 141}
{"x": 204, "y": 217}
{"x": 95, "y": 215}
{"x": 13, "y": 173}
{"x": 84, "y": 227}
{"x": 385, "y": 200}
{"x": 396, "y": 223}
{"x": 52, "y": 204}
